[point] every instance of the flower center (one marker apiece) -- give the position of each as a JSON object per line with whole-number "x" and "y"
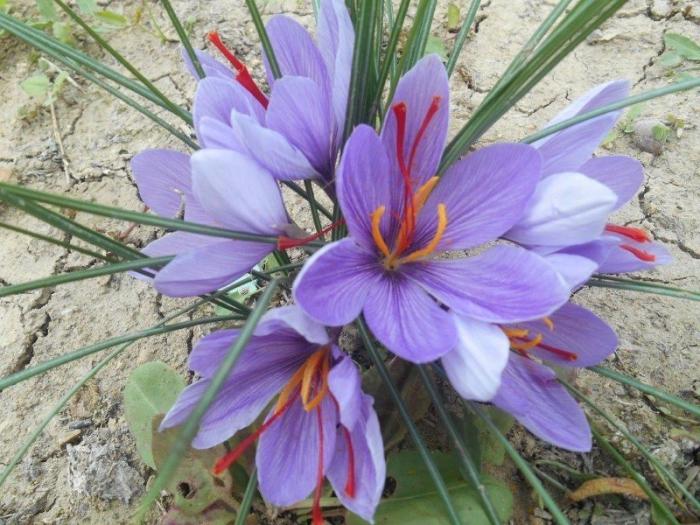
{"x": 413, "y": 200}
{"x": 242, "y": 74}
{"x": 521, "y": 342}
{"x": 636, "y": 234}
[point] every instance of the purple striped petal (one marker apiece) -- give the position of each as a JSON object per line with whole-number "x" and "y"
{"x": 333, "y": 285}
{"x": 345, "y": 384}
{"x": 212, "y": 67}
{"x": 475, "y": 365}
{"x": 623, "y": 175}
{"x": 300, "y": 112}
{"x": 238, "y": 192}
{"x": 164, "y": 180}
{"x": 503, "y": 284}
{"x": 408, "y": 321}
{"x": 292, "y": 321}
{"x": 631, "y": 256}
{"x": 484, "y": 195}
{"x": 289, "y": 452}
{"x": 573, "y": 269}
{"x": 423, "y": 85}
{"x": 209, "y": 267}
{"x": 531, "y": 393}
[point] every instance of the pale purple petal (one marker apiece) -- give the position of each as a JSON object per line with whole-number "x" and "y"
{"x": 164, "y": 180}
{"x": 621, "y": 260}
{"x": 418, "y": 89}
{"x": 236, "y": 191}
{"x": 407, "y": 321}
{"x": 299, "y": 111}
{"x": 623, "y": 175}
{"x": 364, "y": 183}
{"x": 271, "y": 149}
{"x": 475, "y": 365}
{"x": 288, "y": 452}
{"x": 345, "y": 384}
{"x": 296, "y": 53}
{"x": 568, "y": 149}
{"x": 209, "y": 267}
{"x": 212, "y": 67}
{"x": 566, "y": 209}
{"x": 336, "y": 39}
{"x": 213, "y": 133}
{"x": 484, "y": 195}
{"x": 503, "y": 284}
{"x": 531, "y": 393}
{"x": 176, "y": 243}
{"x": 575, "y": 270}
{"x": 576, "y": 331}
{"x": 333, "y": 285}
{"x": 369, "y": 462}
{"x": 292, "y": 320}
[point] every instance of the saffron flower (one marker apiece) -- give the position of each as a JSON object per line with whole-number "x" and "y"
{"x": 530, "y": 391}
{"x": 296, "y": 132}
{"x": 567, "y": 218}
{"x": 226, "y": 189}
{"x": 322, "y": 424}
{"x": 401, "y": 218}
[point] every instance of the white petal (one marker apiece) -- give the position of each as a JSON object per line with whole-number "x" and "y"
{"x": 475, "y": 366}
{"x": 566, "y": 209}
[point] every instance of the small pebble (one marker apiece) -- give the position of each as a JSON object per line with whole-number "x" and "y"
{"x": 80, "y": 423}
{"x": 69, "y": 438}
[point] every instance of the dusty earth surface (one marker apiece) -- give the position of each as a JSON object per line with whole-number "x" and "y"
{"x": 84, "y": 468}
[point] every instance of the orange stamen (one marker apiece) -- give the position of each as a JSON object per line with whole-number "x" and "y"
{"x": 636, "y": 234}
{"x": 524, "y": 344}
{"x": 311, "y": 378}
{"x": 549, "y": 323}
{"x": 376, "y": 232}
{"x": 642, "y": 255}
{"x": 430, "y": 248}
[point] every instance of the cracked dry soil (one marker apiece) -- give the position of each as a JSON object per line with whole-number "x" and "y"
{"x": 61, "y": 481}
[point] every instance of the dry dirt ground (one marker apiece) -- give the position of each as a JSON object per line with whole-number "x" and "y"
{"x": 93, "y": 474}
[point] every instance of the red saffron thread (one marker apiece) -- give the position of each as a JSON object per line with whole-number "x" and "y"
{"x": 636, "y": 234}
{"x": 642, "y": 255}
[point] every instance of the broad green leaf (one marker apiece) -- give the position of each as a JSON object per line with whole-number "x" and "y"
{"x": 682, "y": 45}
{"x": 47, "y": 9}
{"x": 482, "y": 444}
{"x": 111, "y": 18}
{"x": 670, "y": 59}
{"x": 36, "y": 86}
{"x": 87, "y": 6}
{"x": 63, "y": 32}
{"x": 151, "y": 390}
{"x": 416, "y": 502}
{"x": 437, "y": 46}
{"x": 452, "y": 17}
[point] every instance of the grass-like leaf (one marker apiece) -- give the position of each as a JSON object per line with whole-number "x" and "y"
{"x": 52, "y": 240}
{"x": 647, "y": 389}
{"x": 182, "y": 35}
{"x": 462, "y": 36}
{"x": 522, "y": 465}
{"x": 389, "y": 64}
{"x": 410, "y": 425}
{"x": 247, "y": 499}
{"x": 466, "y": 460}
{"x": 191, "y": 426}
{"x": 264, "y": 38}
{"x": 618, "y": 283}
{"x": 418, "y": 37}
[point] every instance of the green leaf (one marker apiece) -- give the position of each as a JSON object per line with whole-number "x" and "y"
{"x": 661, "y": 132}
{"x": 151, "y": 390}
{"x": 87, "y": 6}
{"x": 670, "y": 59}
{"x": 481, "y": 441}
{"x": 36, "y": 86}
{"x": 452, "y": 17}
{"x": 46, "y": 9}
{"x": 437, "y": 46}
{"x": 111, "y": 18}
{"x": 682, "y": 45}
{"x": 415, "y": 500}
{"x": 63, "y": 32}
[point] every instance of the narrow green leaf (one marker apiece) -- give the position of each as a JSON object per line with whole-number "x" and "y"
{"x": 389, "y": 62}
{"x": 247, "y": 499}
{"x": 462, "y": 36}
{"x": 54, "y": 240}
{"x": 191, "y": 426}
{"x": 264, "y": 38}
{"x": 419, "y": 35}
{"x": 604, "y": 281}
{"x": 184, "y": 40}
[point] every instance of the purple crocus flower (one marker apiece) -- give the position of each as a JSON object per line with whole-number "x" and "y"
{"x": 567, "y": 217}
{"x": 401, "y": 218}
{"x": 530, "y": 391}
{"x": 226, "y": 189}
{"x": 322, "y": 424}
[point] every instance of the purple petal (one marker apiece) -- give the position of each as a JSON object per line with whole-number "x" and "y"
{"x": 164, "y": 180}
{"x": 238, "y": 192}
{"x": 418, "y": 89}
{"x": 408, "y": 321}
{"x": 288, "y": 453}
{"x": 573, "y": 269}
{"x": 209, "y": 267}
{"x": 292, "y": 320}
{"x": 176, "y": 243}
{"x": 532, "y": 394}
{"x": 336, "y": 39}
{"x": 212, "y": 67}
{"x": 369, "y": 463}
{"x": 623, "y": 175}
{"x": 484, "y": 195}
{"x": 503, "y": 284}
{"x": 621, "y": 260}
{"x": 333, "y": 285}
{"x": 475, "y": 365}
{"x": 566, "y": 209}
{"x": 271, "y": 149}
{"x": 345, "y": 385}
{"x": 299, "y": 111}
{"x": 576, "y": 331}
{"x": 364, "y": 183}
{"x": 568, "y": 149}
{"x": 296, "y": 53}
{"x": 216, "y": 134}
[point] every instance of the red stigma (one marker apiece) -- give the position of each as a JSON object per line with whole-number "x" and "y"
{"x": 564, "y": 354}
{"x": 316, "y": 513}
{"x": 232, "y": 456}
{"x": 636, "y": 234}
{"x": 285, "y": 243}
{"x": 350, "y": 488}
{"x": 242, "y": 75}
{"x": 642, "y": 255}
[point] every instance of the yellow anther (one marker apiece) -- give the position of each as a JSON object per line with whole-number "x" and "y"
{"x": 518, "y": 333}
{"x": 430, "y": 248}
{"x": 313, "y": 403}
{"x": 424, "y": 192}
{"x": 524, "y": 346}
{"x": 549, "y": 323}
{"x": 310, "y": 369}
{"x": 289, "y": 389}
{"x": 377, "y": 233}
